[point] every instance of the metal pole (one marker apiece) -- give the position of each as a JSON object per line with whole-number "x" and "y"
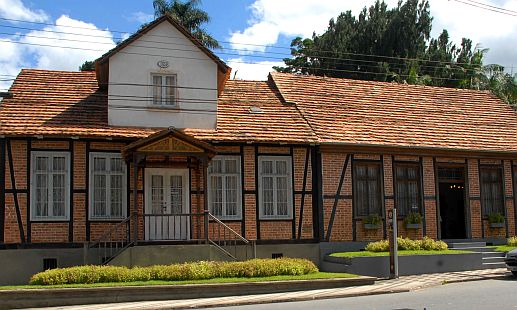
{"x": 395, "y": 245}
{"x": 392, "y": 221}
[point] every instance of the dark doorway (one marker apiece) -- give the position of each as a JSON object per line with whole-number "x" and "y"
{"x": 452, "y": 202}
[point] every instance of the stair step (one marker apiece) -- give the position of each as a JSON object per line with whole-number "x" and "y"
{"x": 475, "y": 249}
{"x": 493, "y": 254}
{"x": 456, "y": 245}
{"x": 495, "y": 263}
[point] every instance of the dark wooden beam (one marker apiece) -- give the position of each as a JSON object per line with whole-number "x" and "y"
{"x": 243, "y": 196}
{"x": 317, "y": 195}
{"x": 304, "y": 185}
{"x": 15, "y": 195}
{"x": 336, "y": 200}
{"x": 2, "y": 190}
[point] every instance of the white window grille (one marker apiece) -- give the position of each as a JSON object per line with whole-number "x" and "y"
{"x": 275, "y": 187}
{"x": 108, "y": 186}
{"x": 164, "y": 90}
{"x": 224, "y": 184}
{"x": 50, "y": 185}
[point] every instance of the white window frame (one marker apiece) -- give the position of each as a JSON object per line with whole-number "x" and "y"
{"x": 224, "y": 215}
{"x": 163, "y": 103}
{"x": 50, "y": 197}
{"x": 261, "y": 176}
{"x": 107, "y": 156}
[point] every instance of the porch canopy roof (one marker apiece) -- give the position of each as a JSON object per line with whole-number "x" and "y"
{"x": 169, "y": 142}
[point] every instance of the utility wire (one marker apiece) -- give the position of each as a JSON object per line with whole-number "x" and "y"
{"x": 236, "y": 61}
{"x": 472, "y": 3}
{"x": 234, "y": 43}
{"x": 492, "y": 6}
{"x": 345, "y": 61}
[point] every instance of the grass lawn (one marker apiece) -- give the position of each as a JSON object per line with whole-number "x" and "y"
{"x": 504, "y": 248}
{"x": 310, "y": 276}
{"x": 401, "y": 252}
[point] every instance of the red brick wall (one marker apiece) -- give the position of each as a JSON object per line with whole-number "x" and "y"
{"x": 332, "y": 165}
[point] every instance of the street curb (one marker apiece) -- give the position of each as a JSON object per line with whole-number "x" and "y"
{"x": 488, "y": 277}
{"x": 32, "y": 298}
{"x": 284, "y": 299}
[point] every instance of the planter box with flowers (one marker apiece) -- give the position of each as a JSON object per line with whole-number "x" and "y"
{"x": 496, "y": 220}
{"x": 413, "y": 220}
{"x": 372, "y": 222}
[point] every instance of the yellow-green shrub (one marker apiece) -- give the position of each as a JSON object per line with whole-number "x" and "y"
{"x": 378, "y": 246}
{"x": 426, "y": 244}
{"x": 175, "y": 272}
{"x": 512, "y": 241}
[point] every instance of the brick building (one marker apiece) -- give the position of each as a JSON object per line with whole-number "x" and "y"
{"x": 158, "y": 147}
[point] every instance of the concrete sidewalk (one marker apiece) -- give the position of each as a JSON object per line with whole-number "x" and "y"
{"x": 403, "y": 284}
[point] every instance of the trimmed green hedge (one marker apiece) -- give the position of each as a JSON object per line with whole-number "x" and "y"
{"x": 176, "y": 272}
{"x": 425, "y": 244}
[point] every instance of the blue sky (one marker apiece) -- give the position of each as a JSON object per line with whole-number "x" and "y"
{"x": 261, "y": 22}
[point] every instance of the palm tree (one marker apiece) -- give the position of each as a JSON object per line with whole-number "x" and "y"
{"x": 189, "y": 15}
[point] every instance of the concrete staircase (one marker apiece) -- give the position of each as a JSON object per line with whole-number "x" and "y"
{"x": 491, "y": 259}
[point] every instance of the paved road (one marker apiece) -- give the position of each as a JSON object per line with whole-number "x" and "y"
{"x": 488, "y": 294}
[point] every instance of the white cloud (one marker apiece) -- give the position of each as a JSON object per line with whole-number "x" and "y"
{"x": 15, "y": 9}
{"x": 70, "y": 44}
{"x": 271, "y": 19}
{"x": 141, "y": 17}
{"x": 492, "y": 30}
{"x": 63, "y": 46}
{"x": 10, "y": 62}
{"x": 257, "y": 71}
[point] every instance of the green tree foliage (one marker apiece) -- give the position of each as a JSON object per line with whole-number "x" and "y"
{"x": 189, "y": 15}
{"x": 87, "y": 66}
{"x": 395, "y": 44}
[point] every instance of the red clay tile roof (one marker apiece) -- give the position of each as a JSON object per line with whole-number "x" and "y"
{"x": 70, "y": 104}
{"x": 273, "y": 120}
{"x": 327, "y": 111}
{"x": 344, "y": 111}
{"x": 59, "y": 103}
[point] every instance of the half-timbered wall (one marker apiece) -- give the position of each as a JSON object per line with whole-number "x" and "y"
{"x": 340, "y": 223}
{"x": 18, "y": 228}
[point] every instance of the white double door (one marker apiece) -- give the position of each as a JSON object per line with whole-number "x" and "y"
{"x": 167, "y": 204}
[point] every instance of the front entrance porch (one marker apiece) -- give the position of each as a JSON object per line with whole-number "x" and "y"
{"x": 166, "y": 207}
{"x": 168, "y": 198}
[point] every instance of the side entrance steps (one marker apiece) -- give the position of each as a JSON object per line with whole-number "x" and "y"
{"x": 491, "y": 259}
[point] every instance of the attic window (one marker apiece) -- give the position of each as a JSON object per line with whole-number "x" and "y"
{"x": 255, "y": 110}
{"x": 164, "y": 89}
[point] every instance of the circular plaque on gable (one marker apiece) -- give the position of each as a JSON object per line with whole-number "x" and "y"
{"x": 163, "y": 64}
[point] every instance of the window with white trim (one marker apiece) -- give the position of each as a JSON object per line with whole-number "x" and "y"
{"x": 50, "y": 185}
{"x": 275, "y": 187}
{"x": 164, "y": 89}
{"x": 108, "y": 186}
{"x": 224, "y": 184}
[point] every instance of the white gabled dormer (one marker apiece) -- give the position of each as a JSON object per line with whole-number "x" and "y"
{"x": 162, "y": 77}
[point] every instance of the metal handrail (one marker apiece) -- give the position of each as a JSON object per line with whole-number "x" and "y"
{"x": 223, "y": 243}
{"x": 109, "y": 232}
{"x": 109, "y": 247}
{"x": 211, "y": 216}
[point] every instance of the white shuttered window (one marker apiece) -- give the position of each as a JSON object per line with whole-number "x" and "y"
{"x": 107, "y": 186}
{"x": 275, "y": 187}
{"x": 164, "y": 89}
{"x": 224, "y": 184}
{"x": 50, "y": 185}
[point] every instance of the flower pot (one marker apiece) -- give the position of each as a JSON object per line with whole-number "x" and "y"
{"x": 371, "y": 226}
{"x": 413, "y": 226}
{"x": 496, "y": 225}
